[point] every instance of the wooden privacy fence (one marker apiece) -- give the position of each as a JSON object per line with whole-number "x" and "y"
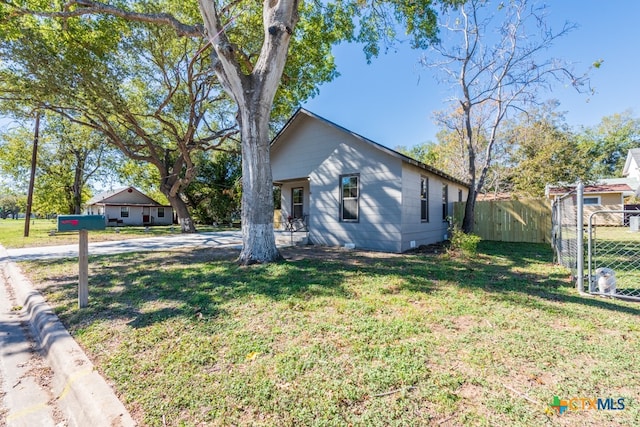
{"x": 526, "y": 220}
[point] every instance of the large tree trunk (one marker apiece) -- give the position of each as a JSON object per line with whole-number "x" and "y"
{"x": 258, "y": 239}
{"x": 468, "y": 222}
{"x": 470, "y": 208}
{"x": 184, "y": 218}
{"x": 254, "y": 94}
{"x": 168, "y": 188}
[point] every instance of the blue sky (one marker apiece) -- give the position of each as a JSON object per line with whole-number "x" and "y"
{"x": 392, "y": 100}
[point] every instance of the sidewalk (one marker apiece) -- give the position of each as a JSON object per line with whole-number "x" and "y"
{"x": 47, "y": 379}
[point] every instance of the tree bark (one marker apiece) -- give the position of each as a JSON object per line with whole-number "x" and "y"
{"x": 258, "y": 239}
{"x": 254, "y": 94}
{"x": 78, "y": 183}
{"x": 468, "y": 222}
{"x": 184, "y": 218}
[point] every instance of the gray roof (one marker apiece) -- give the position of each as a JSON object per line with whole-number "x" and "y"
{"x": 374, "y": 144}
{"x": 103, "y": 198}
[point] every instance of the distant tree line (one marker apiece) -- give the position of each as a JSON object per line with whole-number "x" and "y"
{"x": 537, "y": 148}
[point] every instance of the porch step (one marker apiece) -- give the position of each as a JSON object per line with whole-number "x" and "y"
{"x": 287, "y": 238}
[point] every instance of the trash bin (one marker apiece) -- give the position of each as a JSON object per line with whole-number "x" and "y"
{"x": 634, "y": 223}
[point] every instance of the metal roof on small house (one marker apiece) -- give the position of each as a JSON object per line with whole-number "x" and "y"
{"x": 595, "y": 188}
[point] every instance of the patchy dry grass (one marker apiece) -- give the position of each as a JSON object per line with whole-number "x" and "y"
{"x": 351, "y": 338}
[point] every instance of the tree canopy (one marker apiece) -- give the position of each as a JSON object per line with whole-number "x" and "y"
{"x": 241, "y": 47}
{"x": 69, "y": 158}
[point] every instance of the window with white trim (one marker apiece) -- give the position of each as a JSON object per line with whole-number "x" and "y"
{"x": 297, "y": 202}
{"x": 160, "y": 212}
{"x": 591, "y": 200}
{"x": 445, "y": 201}
{"x": 124, "y": 211}
{"x": 424, "y": 199}
{"x": 349, "y": 198}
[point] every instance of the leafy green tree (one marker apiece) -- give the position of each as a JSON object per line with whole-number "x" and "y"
{"x": 11, "y": 203}
{"x": 427, "y": 153}
{"x": 248, "y": 44}
{"x": 69, "y": 156}
{"x": 148, "y": 93}
{"x": 216, "y": 191}
{"x": 608, "y": 143}
{"x": 544, "y": 151}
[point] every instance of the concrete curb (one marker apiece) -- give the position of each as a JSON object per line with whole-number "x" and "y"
{"x": 81, "y": 392}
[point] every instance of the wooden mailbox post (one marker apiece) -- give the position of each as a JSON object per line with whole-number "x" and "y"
{"x": 82, "y": 224}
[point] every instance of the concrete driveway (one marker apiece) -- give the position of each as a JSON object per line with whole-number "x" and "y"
{"x": 222, "y": 239}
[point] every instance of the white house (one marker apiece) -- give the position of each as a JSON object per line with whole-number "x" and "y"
{"x": 631, "y": 169}
{"x": 129, "y": 206}
{"x": 351, "y": 190}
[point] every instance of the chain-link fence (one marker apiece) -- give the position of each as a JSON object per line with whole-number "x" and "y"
{"x": 614, "y": 255}
{"x": 564, "y": 233}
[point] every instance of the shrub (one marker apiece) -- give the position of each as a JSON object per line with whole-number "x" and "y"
{"x": 465, "y": 243}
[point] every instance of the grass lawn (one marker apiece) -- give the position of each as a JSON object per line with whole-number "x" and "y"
{"x": 12, "y": 233}
{"x": 335, "y": 338}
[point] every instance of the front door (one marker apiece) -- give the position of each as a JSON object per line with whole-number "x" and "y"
{"x": 145, "y": 215}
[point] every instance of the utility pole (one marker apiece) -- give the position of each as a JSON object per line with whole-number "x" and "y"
{"x": 34, "y": 156}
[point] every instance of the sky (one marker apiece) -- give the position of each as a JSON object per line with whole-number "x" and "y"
{"x": 392, "y": 100}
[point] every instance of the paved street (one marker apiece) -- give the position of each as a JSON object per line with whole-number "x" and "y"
{"x": 214, "y": 239}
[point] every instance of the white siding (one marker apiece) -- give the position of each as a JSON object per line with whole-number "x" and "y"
{"x": 135, "y": 215}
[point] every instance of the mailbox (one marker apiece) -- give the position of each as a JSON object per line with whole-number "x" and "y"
{"x": 81, "y": 222}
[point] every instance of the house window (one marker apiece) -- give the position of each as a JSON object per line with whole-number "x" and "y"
{"x": 124, "y": 211}
{"x": 459, "y": 195}
{"x": 297, "y": 202}
{"x": 160, "y": 212}
{"x": 424, "y": 199}
{"x": 349, "y": 198}
{"x": 445, "y": 201}
{"x": 591, "y": 200}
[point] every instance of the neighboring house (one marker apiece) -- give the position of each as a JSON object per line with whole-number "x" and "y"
{"x": 349, "y": 190}
{"x": 129, "y": 206}
{"x": 606, "y": 194}
{"x": 632, "y": 168}
{"x": 609, "y": 193}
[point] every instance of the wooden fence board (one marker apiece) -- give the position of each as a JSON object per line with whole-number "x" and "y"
{"x": 527, "y": 220}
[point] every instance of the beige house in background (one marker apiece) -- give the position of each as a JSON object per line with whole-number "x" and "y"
{"x": 607, "y": 194}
